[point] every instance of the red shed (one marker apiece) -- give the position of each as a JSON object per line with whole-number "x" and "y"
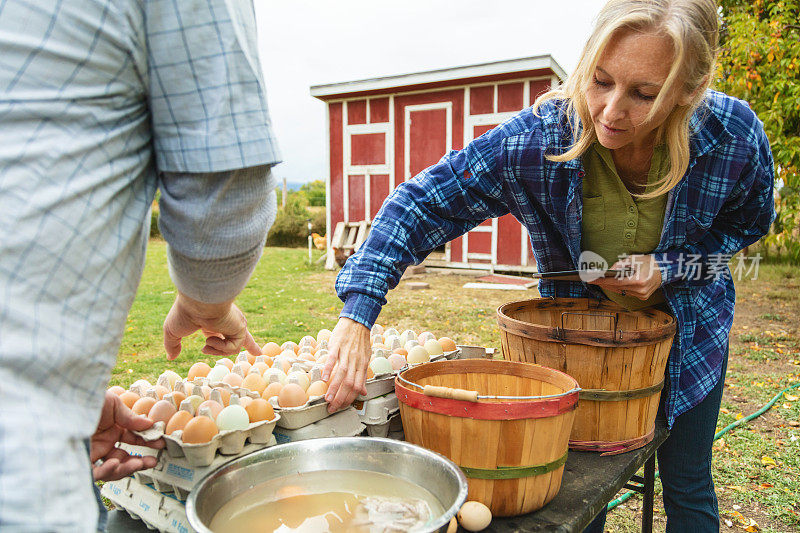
{"x": 384, "y": 131}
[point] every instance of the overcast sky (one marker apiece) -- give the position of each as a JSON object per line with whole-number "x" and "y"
{"x": 312, "y": 42}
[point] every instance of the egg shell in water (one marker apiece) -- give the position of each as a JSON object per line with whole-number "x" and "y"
{"x": 233, "y": 417}
{"x": 199, "y": 430}
{"x": 474, "y": 516}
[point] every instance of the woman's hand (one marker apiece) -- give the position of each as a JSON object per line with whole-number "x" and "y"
{"x": 644, "y": 278}
{"x": 224, "y": 326}
{"x": 349, "y": 350}
{"x": 115, "y": 425}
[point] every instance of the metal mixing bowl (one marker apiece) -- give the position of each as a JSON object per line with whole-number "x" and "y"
{"x": 423, "y": 467}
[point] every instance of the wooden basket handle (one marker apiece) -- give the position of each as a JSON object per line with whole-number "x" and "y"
{"x": 453, "y": 394}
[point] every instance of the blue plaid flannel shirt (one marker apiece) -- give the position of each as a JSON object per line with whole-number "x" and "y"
{"x": 723, "y": 203}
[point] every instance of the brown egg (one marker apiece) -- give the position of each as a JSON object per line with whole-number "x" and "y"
{"x": 448, "y": 345}
{"x": 244, "y": 401}
{"x": 308, "y": 357}
{"x": 178, "y": 422}
{"x": 370, "y": 373}
{"x": 199, "y": 430}
{"x": 273, "y": 389}
{"x": 245, "y": 366}
{"x": 225, "y": 394}
{"x": 233, "y": 379}
{"x": 143, "y": 405}
{"x": 290, "y": 345}
{"x": 401, "y": 351}
{"x": 161, "y": 391}
{"x": 271, "y": 349}
{"x": 259, "y": 367}
{"x": 198, "y": 370}
{"x": 251, "y": 358}
{"x": 177, "y": 398}
{"x": 259, "y": 410}
{"x": 162, "y": 411}
{"x": 318, "y": 388}
{"x": 292, "y": 395}
{"x": 116, "y": 389}
{"x": 255, "y": 383}
{"x": 214, "y": 407}
{"x": 129, "y": 398}
{"x": 225, "y": 361}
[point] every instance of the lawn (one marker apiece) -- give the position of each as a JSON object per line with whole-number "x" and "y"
{"x": 755, "y": 466}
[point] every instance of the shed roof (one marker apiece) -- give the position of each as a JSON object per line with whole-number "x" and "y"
{"x": 542, "y": 65}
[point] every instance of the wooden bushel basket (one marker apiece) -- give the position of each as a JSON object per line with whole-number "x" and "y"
{"x": 617, "y": 356}
{"x": 505, "y": 424}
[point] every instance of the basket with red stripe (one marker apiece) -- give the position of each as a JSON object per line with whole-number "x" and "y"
{"x": 506, "y": 424}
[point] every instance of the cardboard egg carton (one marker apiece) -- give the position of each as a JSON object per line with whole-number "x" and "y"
{"x": 241, "y": 392}
{"x": 178, "y": 476}
{"x": 314, "y": 410}
{"x": 343, "y": 423}
{"x": 392, "y": 428}
{"x": 377, "y": 414}
{"x": 225, "y": 442}
{"x": 158, "y": 511}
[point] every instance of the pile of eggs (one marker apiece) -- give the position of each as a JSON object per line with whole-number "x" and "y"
{"x": 197, "y": 411}
{"x": 392, "y": 350}
{"x": 233, "y": 394}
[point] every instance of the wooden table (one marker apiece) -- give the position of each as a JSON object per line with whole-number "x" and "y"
{"x": 590, "y": 482}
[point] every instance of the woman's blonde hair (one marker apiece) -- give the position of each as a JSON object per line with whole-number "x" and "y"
{"x": 692, "y": 26}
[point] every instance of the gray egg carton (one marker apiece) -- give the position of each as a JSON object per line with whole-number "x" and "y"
{"x": 343, "y": 423}
{"x": 314, "y": 410}
{"x": 225, "y": 442}
{"x": 158, "y": 511}
{"x": 177, "y": 476}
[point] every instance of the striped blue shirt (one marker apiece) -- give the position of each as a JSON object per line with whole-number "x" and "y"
{"x": 723, "y": 203}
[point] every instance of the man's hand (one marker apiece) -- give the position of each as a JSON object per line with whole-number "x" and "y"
{"x": 644, "y": 278}
{"x": 116, "y": 424}
{"x": 349, "y": 350}
{"x": 224, "y": 326}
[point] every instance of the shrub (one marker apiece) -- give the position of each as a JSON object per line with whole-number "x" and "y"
{"x": 290, "y": 226}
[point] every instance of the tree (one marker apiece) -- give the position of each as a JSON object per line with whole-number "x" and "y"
{"x": 314, "y": 191}
{"x": 760, "y": 62}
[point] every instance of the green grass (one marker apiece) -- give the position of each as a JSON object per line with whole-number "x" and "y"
{"x": 280, "y": 302}
{"x": 287, "y": 299}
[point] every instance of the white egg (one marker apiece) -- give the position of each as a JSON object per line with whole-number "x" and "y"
{"x": 299, "y": 377}
{"x": 218, "y": 372}
{"x": 233, "y": 417}
{"x": 474, "y": 516}
{"x": 417, "y": 355}
{"x": 433, "y": 347}
{"x": 274, "y": 374}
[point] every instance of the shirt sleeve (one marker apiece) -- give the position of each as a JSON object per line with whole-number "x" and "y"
{"x": 441, "y": 203}
{"x": 206, "y": 92}
{"x": 745, "y": 217}
{"x": 215, "y": 225}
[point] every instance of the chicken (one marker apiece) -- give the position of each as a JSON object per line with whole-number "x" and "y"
{"x": 319, "y": 241}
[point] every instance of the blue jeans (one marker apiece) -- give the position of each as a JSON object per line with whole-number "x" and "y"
{"x": 684, "y": 463}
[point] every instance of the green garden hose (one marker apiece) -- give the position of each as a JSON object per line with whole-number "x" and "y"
{"x": 718, "y": 434}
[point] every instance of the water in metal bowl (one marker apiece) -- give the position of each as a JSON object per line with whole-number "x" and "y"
{"x": 433, "y": 473}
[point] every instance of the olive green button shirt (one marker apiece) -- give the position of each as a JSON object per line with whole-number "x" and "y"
{"x": 614, "y": 222}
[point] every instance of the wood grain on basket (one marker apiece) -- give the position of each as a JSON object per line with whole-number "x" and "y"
{"x": 511, "y": 450}
{"x": 617, "y": 356}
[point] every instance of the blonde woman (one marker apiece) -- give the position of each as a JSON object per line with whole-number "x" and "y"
{"x": 633, "y": 157}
